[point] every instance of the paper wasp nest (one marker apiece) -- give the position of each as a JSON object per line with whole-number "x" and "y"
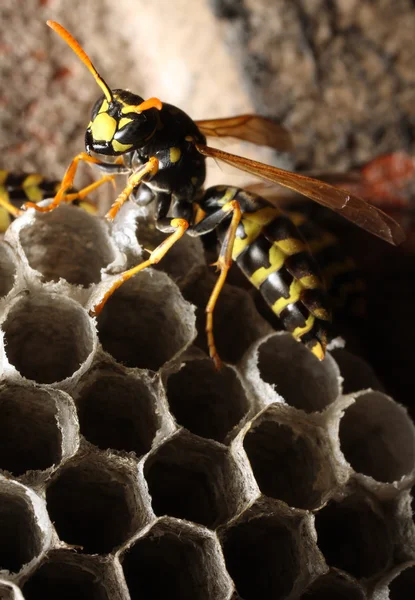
{"x": 131, "y": 469}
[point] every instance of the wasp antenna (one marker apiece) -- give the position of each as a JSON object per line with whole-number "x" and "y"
{"x": 146, "y": 105}
{"x": 76, "y": 47}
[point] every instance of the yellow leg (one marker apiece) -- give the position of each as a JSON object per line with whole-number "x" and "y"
{"x": 223, "y": 264}
{"x": 150, "y": 168}
{"x": 67, "y": 183}
{"x": 83, "y": 193}
{"x": 181, "y": 226}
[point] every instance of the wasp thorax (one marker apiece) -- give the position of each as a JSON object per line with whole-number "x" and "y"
{"x": 117, "y": 127}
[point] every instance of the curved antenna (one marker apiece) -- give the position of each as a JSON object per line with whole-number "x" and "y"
{"x": 146, "y": 105}
{"x": 72, "y": 43}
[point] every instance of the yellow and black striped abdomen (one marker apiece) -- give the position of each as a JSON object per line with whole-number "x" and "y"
{"x": 17, "y": 188}
{"x": 274, "y": 257}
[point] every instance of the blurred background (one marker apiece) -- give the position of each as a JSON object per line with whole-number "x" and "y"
{"x": 338, "y": 73}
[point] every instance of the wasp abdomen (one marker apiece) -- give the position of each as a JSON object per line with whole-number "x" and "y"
{"x": 273, "y": 255}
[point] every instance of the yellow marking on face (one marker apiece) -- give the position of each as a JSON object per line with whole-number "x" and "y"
{"x": 294, "y": 295}
{"x": 33, "y": 193}
{"x": 198, "y": 213}
{"x": 194, "y": 180}
{"x": 324, "y": 241}
{"x": 118, "y": 147}
{"x": 263, "y": 216}
{"x": 33, "y": 179}
{"x": 124, "y": 121}
{"x": 103, "y": 127}
{"x": 252, "y": 231}
{"x": 310, "y": 282}
{"x": 5, "y": 220}
{"x": 104, "y": 106}
{"x": 3, "y": 176}
{"x": 175, "y": 154}
{"x": 300, "y": 331}
{"x": 276, "y": 259}
{"x": 291, "y": 246}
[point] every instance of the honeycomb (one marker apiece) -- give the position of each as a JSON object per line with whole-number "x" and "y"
{"x": 131, "y": 469}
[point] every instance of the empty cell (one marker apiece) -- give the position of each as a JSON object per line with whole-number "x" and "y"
{"x": 118, "y": 411}
{"x": 378, "y": 438}
{"x": 65, "y": 577}
{"x": 7, "y": 269}
{"x": 286, "y": 465}
{"x": 356, "y": 372}
{"x": 146, "y": 322}
{"x": 173, "y": 562}
{"x": 353, "y": 537}
{"x": 30, "y": 438}
{"x": 402, "y": 587}
{"x": 67, "y": 243}
{"x": 20, "y": 537}
{"x": 262, "y": 558}
{"x": 206, "y": 401}
{"x": 91, "y": 506}
{"x": 190, "y": 479}
{"x": 335, "y": 585}
{"x": 180, "y": 259}
{"x": 236, "y": 322}
{"x": 47, "y": 337}
{"x": 9, "y": 591}
{"x": 298, "y": 376}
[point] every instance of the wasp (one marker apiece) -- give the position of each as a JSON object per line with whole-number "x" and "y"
{"x": 163, "y": 152}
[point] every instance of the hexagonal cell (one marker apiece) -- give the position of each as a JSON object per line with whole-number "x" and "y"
{"x": 30, "y": 438}
{"x": 185, "y": 255}
{"x": 269, "y": 555}
{"x": 146, "y": 322}
{"x": 176, "y": 561}
{"x": 48, "y": 337}
{"x": 94, "y": 504}
{"x": 194, "y": 479}
{"x": 67, "y": 243}
{"x": 354, "y": 537}
{"x": 297, "y": 375}
{"x": 357, "y": 373}
{"x": 237, "y": 323}
{"x": 118, "y": 411}
{"x": 207, "y": 402}
{"x": 21, "y": 538}
{"x": 66, "y": 576}
{"x": 378, "y": 438}
{"x": 334, "y": 585}
{"x": 402, "y": 586}
{"x": 9, "y": 591}
{"x": 7, "y": 269}
{"x": 288, "y": 464}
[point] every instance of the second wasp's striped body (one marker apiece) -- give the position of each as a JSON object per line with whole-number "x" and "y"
{"x": 271, "y": 252}
{"x": 17, "y": 188}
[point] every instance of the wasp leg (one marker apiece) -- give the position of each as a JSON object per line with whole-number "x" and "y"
{"x": 66, "y": 184}
{"x": 8, "y": 206}
{"x": 223, "y": 263}
{"x": 180, "y": 227}
{"x": 83, "y": 193}
{"x": 150, "y": 168}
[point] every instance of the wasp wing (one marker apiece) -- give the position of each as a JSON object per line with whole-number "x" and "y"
{"x": 345, "y": 204}
{"x": 249, "y": 128}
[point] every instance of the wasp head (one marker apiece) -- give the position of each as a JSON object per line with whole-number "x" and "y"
{"x": 121, "y": 124}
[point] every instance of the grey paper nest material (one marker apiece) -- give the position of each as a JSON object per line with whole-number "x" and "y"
{"x": 132, "y": 469}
